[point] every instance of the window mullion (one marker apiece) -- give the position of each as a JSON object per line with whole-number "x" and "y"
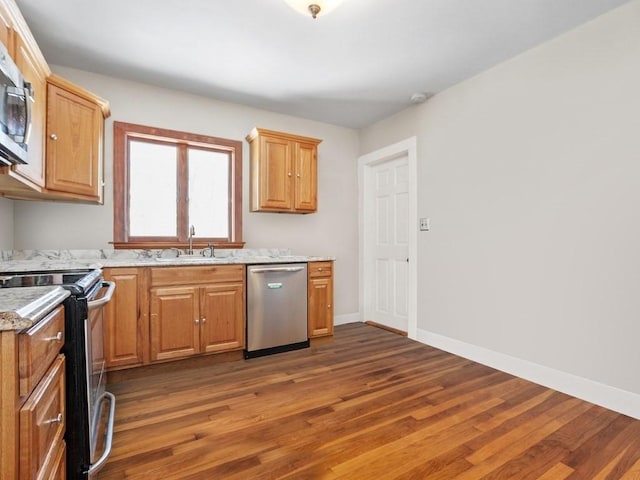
{"x": 183, "y": 192}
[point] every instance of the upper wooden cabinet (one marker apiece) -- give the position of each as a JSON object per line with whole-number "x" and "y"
{"x": 30, "y": 177}
{"x": 284, "y": 172}
{"x": 75, "y": 132}
{"x": 6, "y": 29}
{"x": 67, "y": 129}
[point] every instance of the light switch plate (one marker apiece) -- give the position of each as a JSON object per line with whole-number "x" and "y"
{"x": 425, "y": 224}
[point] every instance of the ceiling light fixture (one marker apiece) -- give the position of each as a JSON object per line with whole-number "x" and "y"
{"x": 314, "y": 7}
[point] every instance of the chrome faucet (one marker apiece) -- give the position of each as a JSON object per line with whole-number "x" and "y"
{"x": 192, "y": 232}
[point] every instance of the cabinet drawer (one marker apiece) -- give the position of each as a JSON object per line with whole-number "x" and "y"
{"x": 196, "y": 275}
{"x": 37, "y": 348}
{"x": 58, "y": 468}
{"x": 42, "y": 423}
{"x": 320, "y": 269}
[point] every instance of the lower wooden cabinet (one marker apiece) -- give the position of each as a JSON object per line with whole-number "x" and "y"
{"x": 222, "y": 317}
{"x": 196, "y": 310}
{"x": 32, "y": 401}
{"x": 42, "y": 424}
{"x": 126, "y": 321}
{"x": 320, "y": 299}
{"x": 167, "y": 313}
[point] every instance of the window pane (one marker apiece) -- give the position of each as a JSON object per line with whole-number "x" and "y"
{"x": 152, "y": 190}
{"x": 209, "y": 193}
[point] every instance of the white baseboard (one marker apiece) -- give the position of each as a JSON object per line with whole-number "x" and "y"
{"x": 613, "y": 398}
{"x": 347, "y": 318}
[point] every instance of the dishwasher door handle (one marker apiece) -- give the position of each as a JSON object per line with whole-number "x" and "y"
{"x": 276, "y": 269}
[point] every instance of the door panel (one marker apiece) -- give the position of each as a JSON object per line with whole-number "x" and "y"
{"x": 305, "y": 177}
{"x": 126, "y": 318}
{"x": 389, "y": 245}
{"x": 222, "y": 321}
{"x": 275, "y": 182}
{"x": 174, "y": 331}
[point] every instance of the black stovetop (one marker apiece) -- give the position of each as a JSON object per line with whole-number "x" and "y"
{"x": 76, "y": 281}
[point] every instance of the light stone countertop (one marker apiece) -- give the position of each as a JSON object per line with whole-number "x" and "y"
{"x": 30, "y": 266}
{"x": 70, "y": 260}
{"x": 23, "y": 307}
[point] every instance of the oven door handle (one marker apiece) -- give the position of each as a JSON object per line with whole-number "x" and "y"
{"x": 109, "y": 434}
{"x": 105, "y": 298}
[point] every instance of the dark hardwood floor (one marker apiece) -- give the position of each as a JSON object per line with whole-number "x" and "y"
{"x": 369, "y": 405}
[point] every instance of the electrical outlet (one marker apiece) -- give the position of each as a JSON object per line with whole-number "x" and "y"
{"x": 425, "y": 224}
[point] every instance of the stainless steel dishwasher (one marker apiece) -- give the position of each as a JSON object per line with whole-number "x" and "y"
{"x": 276, "y": 308}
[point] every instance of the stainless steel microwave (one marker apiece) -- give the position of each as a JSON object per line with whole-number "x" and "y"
{"x": 16, "y": 97}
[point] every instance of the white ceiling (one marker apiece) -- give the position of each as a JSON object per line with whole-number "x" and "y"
{"x": 358, "y": 64}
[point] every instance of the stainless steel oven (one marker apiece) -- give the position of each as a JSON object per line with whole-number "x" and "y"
{"x": 90, "y": 409}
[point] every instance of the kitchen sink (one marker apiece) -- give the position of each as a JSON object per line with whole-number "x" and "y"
{"x": 191, "y": 259}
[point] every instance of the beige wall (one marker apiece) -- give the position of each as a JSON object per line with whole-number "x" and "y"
{"x": 6, "y": 224}
{"x": 330, "y": 231}
{"x": 530, "y": 173}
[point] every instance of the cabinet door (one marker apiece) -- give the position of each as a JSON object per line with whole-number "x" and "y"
{"x": 34, "y": 72}
{"x": 74, "y": 132}
{"x": 42, "y": 423}
{"x": 320, "y": 306}
{"x": 306, "y": 181}
{"x": 222, "y": 322}
{"x": 126, "y": 321}
{"x": 175, "y": 322}
{"x": 6, "y": 30}
{"x": 276, "y": 173}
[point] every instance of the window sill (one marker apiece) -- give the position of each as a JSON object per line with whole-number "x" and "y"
{"x": 163, "y": 245}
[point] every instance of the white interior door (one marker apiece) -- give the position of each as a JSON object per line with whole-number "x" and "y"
{"x": 388, "y": 239}
{"x": 387, "y": 180}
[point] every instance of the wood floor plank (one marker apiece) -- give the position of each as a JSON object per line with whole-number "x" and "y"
{"x": 558, "y": 472}
{"x": 369, "y": 404}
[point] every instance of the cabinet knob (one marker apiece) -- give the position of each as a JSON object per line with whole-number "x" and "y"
{"x": 53, "y": 136}
{"x": 289, "y": 174}
{"x": 298, "y": 175}
{"x": 57, "y": 419}
{"x": 328, "y": 306}
{"x": 197, "y": 321}
{"x": 204, "y": 320}
{"x": 57, "y": 338}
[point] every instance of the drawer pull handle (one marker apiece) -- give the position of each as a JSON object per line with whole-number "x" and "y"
{"x": 57, "y": 338}
{"x": 57, "y": 419}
